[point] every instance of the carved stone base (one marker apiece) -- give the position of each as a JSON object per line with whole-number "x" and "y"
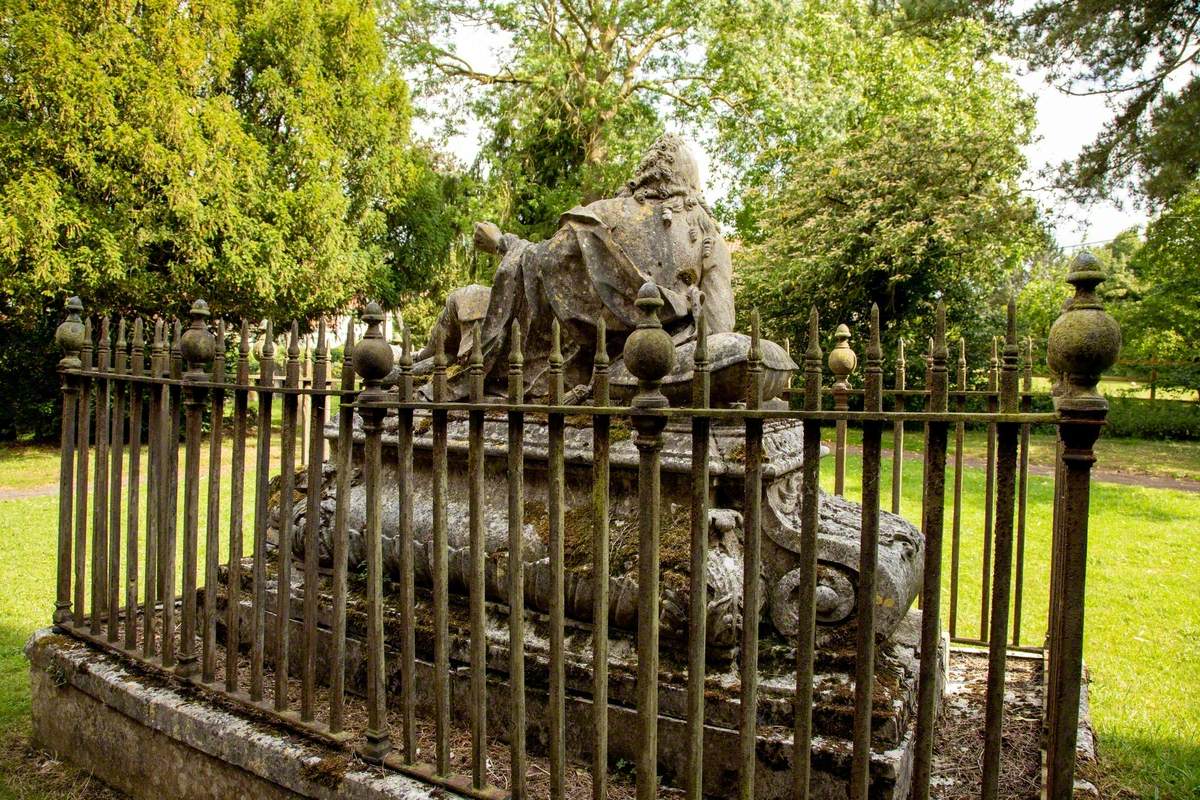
{"x": 898, "y": 571}
{"x": 894, "y": 709}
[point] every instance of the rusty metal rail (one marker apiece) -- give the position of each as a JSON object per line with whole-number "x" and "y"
{"x": 123, "y": 421}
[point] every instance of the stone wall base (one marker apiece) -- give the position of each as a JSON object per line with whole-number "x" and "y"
{"x": 152, "y": 740}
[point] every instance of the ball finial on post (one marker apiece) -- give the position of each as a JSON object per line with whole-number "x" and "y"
{"x": 197, "y": 344}
{"x": 842, "y": 360}
{"x": 70, "y": 335}
{"x": 372, "y": 354}
{"x": 1084, "y": 340}
{"x": 649, "y": 352}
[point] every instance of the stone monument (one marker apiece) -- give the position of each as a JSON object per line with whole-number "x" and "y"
{"x": 656, "y": 232}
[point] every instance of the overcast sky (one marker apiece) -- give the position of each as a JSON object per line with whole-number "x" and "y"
{"x": 1065, "y": 123}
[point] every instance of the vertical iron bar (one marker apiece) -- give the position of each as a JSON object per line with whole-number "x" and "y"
{"x": 555, "y": 491}
{"x": 137, "y": 368}
{"x": 82, "y": 445}
{"x": 99, "y": 583}
{"x": 925, "y": 466}
{"x": 237, "y": 490}
{"x": 168, "y": 505}
{"x": 262, "y": 487}
{"x": 898, "y": 431}
{"x": 341, "y": 512}
{"x": 956, "y": 529}
{"x": 441, "y": 578}
{"x": 154, "y": 456}
{"x": 864, "y": 659}
{"x": 1022, "y": 493}
{"x": 478, "y": 556}
{"x": 516, "y": 563}
{"x": 373, "y": 360}
{"x": 1006, "y": 468}
{"x": 117, "y": 450}
{"x": 197, "y": 346}
{"x": 287, "y": 511}
{"x": 408, "y": 643}
{"x": 601, "y": 428}
{"x": 752, "y": 568}
{"x": 312, "y": 521}
{"x": 212, "y": 524}
{"x": 806, "y": 591}
{"x": 989, "y": 493}
{"x": 70, "y": 337}
{"x": 698, "y": 568}
{"x": 931, "y": 623}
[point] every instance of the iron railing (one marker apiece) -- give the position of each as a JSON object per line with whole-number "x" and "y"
{"x": 111, "y": 395}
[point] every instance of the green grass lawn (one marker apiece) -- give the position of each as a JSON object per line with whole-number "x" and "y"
{"x": 1153, "y": 458}
{"x": 1143, "y": 623}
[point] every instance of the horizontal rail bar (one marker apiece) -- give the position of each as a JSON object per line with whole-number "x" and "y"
{"x": 275, "y": 388}
{"x": 723, "y": 413}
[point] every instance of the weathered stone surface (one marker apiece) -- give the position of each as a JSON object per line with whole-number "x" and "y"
{"x": 893, "y": 713}
{"x": 899, "y": 564}
{"x": 149, "y": 738}
{"x": 657, "y": 229}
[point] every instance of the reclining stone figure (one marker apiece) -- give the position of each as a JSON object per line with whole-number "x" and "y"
{"x": 656, "y": 230}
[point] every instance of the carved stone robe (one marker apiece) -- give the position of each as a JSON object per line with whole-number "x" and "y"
{"x": 591, "y": 270}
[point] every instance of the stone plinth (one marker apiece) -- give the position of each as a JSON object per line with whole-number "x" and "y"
{"x": 900, "y": 543}
{"x": 893, "y": 713}
{"x": 149, "y": 737}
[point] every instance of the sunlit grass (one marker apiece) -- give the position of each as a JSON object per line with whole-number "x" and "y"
{"x": 1142, "y": 635}
{"x": 1143, "y": 623}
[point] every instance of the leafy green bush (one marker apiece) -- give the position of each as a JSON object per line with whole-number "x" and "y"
{"x": 1153, "y": 419}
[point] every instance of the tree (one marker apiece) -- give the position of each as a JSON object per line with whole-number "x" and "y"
{"x": 1141, "y": 55}
{"x": 917, "y": 198}
{"x": 256, "y": 153}
{"x": 573, "y": 103}
{"x": 1163, "y": 320}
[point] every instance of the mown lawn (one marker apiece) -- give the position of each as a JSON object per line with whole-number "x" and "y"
{"x": 1143, "y": 623}
{"x": 1142, "y": 635}
{"x": 1140, "y": 457}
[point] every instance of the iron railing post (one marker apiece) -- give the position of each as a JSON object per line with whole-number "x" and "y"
{"x": 649, "y": 355}
{"x": 864, "y": 653}
{"x": 197, "y": 347}
{"x": 842, "y": 362}
{"x": 806, "y": 590}
{"x": 373, "y": 361}
{"x": 931, "y": 589}
{"x": 70, "y": 337}
{"x": 1006, "y": 473}
{"x": 1084, "y": 342}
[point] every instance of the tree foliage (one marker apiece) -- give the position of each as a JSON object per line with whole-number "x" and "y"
{"x": 916, "y": 198}
{"x": 575, "y": 99}
{"x": 1143, "y": 56}
{"x": 256, "y": 153}
{"x": 1140, "y": 54}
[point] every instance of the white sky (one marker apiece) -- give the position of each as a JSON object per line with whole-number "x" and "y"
{"x": 1065, "y": 123}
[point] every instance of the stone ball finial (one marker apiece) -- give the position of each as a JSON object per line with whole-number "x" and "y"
{"x": 649, "y": 351}
{"x": 1084, "y": 340}
{"x": 70, "y": 335}
{"x": 372, "y": 354}
{"x": 197, "y": 345}
{"x": 842, "y": 360}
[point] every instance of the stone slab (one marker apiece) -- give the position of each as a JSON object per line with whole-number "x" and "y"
{"x": 149, "y": 738}
{"x": 894, "y": 714}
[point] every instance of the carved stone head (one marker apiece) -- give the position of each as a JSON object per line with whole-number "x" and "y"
{"x": 667, "y": 170}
